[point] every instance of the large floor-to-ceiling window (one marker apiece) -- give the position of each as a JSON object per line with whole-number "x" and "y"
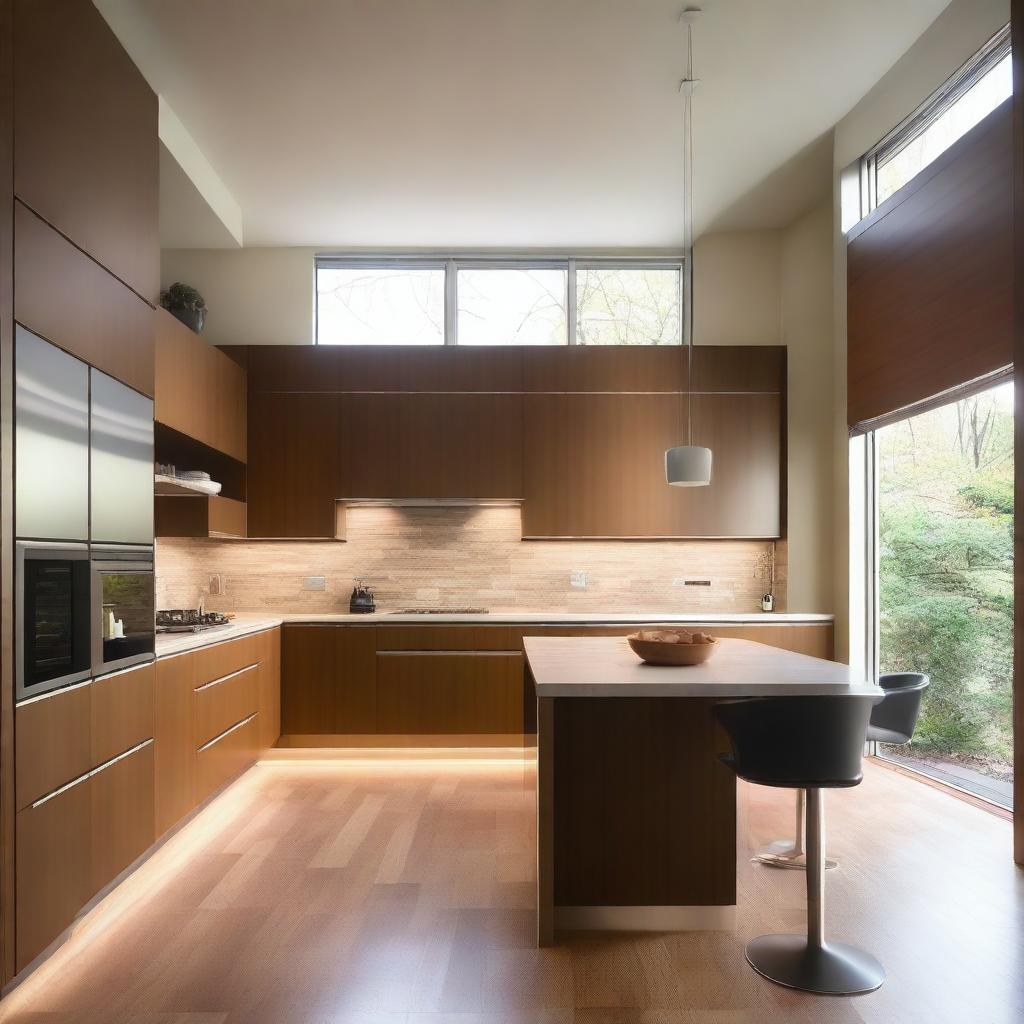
{"x": 944, "y": 584}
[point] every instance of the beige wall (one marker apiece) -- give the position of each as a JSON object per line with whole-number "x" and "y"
{"x": 736, "y": 287}
{"x": 950, "y": 40}
{"x": 806, "y": 317}
{"x": 254, "y": 296}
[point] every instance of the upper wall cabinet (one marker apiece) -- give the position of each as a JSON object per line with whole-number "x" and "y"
{"x": 293, "y": 465}
{"x": 86, "y": 154}
{"x": 200, "y": 391}
{"x": 579, "y": 434}
{"x": 452, "y": 445}
{"x": 62, "y": 295}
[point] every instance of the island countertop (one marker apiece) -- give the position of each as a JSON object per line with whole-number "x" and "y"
{"x": 607, "y": 667}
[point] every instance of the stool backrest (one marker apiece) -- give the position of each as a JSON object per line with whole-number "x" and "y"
{"x": 899, "y": 710}
{"x": 799, "y": 742}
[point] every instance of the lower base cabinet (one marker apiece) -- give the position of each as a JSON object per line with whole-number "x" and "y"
{"x": 226, "y": 757}
{"x": 122, "y": 815}
{"x": 444, "y": 684}
{"x": 54, "y": 869}
{"x": 71, "y": 845}
{"x": 455, "y": 693}
{"x": 127, "y": 756}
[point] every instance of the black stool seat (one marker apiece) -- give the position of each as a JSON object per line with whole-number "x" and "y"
{"x": 812, "y": 744}
{"x": 797, "y": 742}
{"x": 895, "y": 718}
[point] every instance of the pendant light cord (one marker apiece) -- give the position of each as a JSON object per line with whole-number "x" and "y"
{"x": 688, "y": 226}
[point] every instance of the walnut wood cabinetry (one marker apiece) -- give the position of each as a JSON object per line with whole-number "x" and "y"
{"x": 214, "y": 516}
{"x": 577, "y": 433}
{"x": 54, "y": 868}
{"x": 455, "y": 684}
{"x": 200, "y": 392}
{"x": 293, "y": 465}
{"x": 86, "y": 150}
{"x": 85, "y": 797}
{"x": 67, "y": 298}
{"x": 122, "y": 814}
{"x": 175, "y": 754}
{"x": 328, "y": 682}
{"x": 107, "y": 767}
{"x": 432, "y": 445}
{"x": 458, "y": 693}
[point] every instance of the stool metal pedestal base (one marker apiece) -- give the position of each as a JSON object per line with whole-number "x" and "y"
{"x": 830, "y": 969}
{"x": 809, "y": 963}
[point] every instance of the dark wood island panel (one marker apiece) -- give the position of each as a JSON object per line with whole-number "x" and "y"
{"x": 639, "y": 810}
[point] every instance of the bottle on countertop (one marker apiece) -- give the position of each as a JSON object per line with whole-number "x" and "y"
{"x": 361, "y": 602}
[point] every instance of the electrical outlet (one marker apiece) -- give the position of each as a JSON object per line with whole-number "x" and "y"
{"x": 314, "y": 583}
{"x": 216, "y": 585}
{"x": 683, "y": 581}
{"x": 578, "y": 579}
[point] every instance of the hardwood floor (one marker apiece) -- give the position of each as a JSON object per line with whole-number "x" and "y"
{"x": 378, "y": 894}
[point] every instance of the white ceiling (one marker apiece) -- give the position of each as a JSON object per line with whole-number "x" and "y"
{"x": 507, "y": 123}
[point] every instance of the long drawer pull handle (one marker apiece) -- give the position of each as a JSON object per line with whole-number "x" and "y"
{"x": 224, "y": 679}
{"x": 88, "y": 775}
{"x": 229, "y": 729}
{"x": 470, "y": 654}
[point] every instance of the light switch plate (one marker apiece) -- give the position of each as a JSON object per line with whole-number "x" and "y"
{"x": 216, "y": 585}
{"x": 314, "y": 583}
{"x": 578, "y": 579}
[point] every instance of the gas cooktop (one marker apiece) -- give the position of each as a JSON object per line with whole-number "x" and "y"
{"x": 442, "y": 611}
{"x": 188, "y": 620}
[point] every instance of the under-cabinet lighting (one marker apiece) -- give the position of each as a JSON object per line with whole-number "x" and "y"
{"x": 430, "y": 502}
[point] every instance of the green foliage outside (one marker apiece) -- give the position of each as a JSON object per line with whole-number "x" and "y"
{"x": 946, "y": 572}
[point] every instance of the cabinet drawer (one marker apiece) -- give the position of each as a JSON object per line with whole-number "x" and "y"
{"x": 448, "y": 693}
{"x": 175, "y": 751}
{"x": 122, "y": 814}
{"x": 221, "y": 761}
{"x": 54, "y": 878}
{"x": 223, "y": 659}
{"x": 448, "y": 638}
{"x": 52, "y": 743}
{"x": 224, "y": 702}
{"x": 122, "y": 712}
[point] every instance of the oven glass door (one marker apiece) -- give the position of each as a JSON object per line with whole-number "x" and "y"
{"x": 126, "y": 622}
{"x": 55, "y": 622}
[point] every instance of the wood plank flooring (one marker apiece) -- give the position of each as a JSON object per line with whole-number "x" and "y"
{"x": 377, "y": 894}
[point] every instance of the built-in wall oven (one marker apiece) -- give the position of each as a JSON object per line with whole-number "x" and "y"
{"x": 52, "y": 620}
{"x": 123, "y": 613}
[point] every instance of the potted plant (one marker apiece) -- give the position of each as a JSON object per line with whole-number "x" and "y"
{"x": 184, "y": 302}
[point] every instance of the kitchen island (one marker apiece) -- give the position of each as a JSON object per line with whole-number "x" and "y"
{"x": 636, "y": 814}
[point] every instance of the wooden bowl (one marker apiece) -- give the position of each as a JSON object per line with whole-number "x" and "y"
{"x": 669, "y": 652}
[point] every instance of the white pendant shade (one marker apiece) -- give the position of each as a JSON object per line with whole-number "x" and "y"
{"x": 688, "y": 466}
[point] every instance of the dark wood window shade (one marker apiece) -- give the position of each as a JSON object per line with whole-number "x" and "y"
{"x": 930, "y": 279}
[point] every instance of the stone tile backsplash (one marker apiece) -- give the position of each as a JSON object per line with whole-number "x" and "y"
{"x": 450, "y": 557}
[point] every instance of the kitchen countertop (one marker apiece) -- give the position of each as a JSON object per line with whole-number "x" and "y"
{"x": 606, "y": 667}
{"x": 252, "y": 622}
{"x": 241, "y": 625}
{"x": 555, "y": 618}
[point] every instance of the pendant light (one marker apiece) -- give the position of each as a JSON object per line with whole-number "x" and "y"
{"x": 688, "y": 465}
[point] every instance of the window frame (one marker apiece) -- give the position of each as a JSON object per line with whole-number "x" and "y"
{"x": 926, "y": 114}
{"x": 451, "y": 264}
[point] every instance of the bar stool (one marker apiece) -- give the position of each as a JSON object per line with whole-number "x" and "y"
{"x": 892, "y": 721}
{"x": 895, "y": 719}
{"x": 809, "y": 743}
